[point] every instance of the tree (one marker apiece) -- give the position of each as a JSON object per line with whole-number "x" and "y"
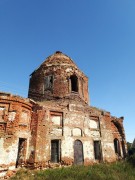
{"x": 133, "y": 144}
{"x": 129, "y": 145}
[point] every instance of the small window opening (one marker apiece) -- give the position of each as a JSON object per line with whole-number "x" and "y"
{"x": 74, "y": 83}
{"x": 55, "y": 151}
{"x": 48, "y": 83}
{"x": 97, "y": 150}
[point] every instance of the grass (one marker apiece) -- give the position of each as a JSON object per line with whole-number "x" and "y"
{"x": 114, "y": 171}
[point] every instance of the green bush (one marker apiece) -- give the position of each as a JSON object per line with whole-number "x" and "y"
{"x": 131, "y": 156}
{"x": 131, "y": 151}
{"x": 131, "y": 159}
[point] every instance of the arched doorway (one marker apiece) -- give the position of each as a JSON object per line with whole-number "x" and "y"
{"x": 78, "y": 152}
{"x": 117, "y": 146}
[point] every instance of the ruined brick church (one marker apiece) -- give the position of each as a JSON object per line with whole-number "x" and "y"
{"x": 56, "y": 123}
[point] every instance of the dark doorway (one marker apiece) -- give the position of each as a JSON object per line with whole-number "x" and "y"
{"x": 78, "y": 152}
{"x": 55, "y": 151}
{"x": 117, "y": 146}
{"x": 21, "y": 157}
{"x": 74, "y": 83}
{"x": 97, "y": 150}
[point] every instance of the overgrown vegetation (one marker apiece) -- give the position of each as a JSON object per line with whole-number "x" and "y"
{"x": 131, "y": 155}
{"x": 131, "y": 159}
{"x": 124, "y": 170}
{"x": 114, "y": 171}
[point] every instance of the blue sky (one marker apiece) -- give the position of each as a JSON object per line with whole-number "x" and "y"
{"x": 99, "y": 35}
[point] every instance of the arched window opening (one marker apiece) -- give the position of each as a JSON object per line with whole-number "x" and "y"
{"x": 74, "y": 83}
{"x": 117, "y": 146}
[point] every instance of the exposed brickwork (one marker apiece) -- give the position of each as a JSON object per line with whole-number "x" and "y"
{"x": 61, "y": 68}
{"x": 12, "y": 109}
{"x": 58, "y": 127}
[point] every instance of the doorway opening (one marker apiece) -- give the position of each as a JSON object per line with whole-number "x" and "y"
{"x": 78, "y": 152}
{"x": 55, "y": 151}
{"x": 21, "y": 157}
{"x": 97, "y": 150}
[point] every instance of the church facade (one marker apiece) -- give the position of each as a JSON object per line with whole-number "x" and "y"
{"x": 56, "y": 123}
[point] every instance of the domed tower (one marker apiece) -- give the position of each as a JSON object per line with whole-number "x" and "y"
{"x": 58, "y": 77}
